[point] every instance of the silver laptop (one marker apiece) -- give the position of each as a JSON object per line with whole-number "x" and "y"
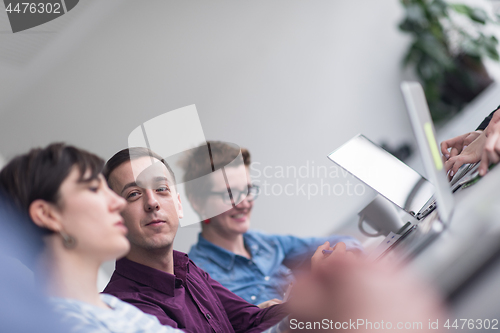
{"x": 425, "y": 134}
{"x": 396, "y": 181}
{"x": 386, "y": 174}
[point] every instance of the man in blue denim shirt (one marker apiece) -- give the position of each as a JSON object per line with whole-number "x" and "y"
{"x": 267, "y": 274}
{"x": 253, "y": 265}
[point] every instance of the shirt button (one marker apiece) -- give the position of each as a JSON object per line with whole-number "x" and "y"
{"x": 208, "y": 316}
{"x": 253, "y": 298}
{"x": 266, "y": 278}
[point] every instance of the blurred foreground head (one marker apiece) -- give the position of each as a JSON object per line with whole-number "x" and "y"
{"x": 21, "y": 239}
{"x": 354, "y": 295}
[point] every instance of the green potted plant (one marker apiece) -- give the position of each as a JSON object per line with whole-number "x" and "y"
{"x": 447, "y": 51}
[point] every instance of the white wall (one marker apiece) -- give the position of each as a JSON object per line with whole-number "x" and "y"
{"x": 291, "y": 80}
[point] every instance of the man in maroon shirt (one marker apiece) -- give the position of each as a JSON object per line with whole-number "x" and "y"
{"x": 154, "y": 277}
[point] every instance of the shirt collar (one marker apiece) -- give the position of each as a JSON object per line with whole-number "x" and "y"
{"x": 155, "y": 278}
{"x": 216, "y": 254}
{"x": 223, "y": 257}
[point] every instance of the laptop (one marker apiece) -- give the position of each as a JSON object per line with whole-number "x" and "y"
{"x": 386, "y": 174}
{"x": 425, "y": 135}
{"x": 396, "y": 181}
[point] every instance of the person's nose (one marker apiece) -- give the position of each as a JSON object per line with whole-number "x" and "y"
{"x": 116, "y": 203}
{"x": 244, "y": 204}
{"x": 150, "y": 202}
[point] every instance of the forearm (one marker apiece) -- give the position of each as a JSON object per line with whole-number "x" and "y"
{"x": 272, "y": 319}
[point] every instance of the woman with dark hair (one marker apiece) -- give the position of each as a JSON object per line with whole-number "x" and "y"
{"x": 253, "y": 265}
{"x": 62, "y": 190}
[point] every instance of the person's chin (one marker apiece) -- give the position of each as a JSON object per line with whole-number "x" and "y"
{"x": 120, "y": 250}
{"x": 243, "y": 227}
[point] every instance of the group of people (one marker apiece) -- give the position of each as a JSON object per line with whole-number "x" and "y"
{"x": 233, "y": 280}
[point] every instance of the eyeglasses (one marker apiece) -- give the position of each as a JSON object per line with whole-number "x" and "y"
{"x": 238, "y": 196}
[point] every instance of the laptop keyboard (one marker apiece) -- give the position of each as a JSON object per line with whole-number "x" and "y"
{"x": 462, "y": 172}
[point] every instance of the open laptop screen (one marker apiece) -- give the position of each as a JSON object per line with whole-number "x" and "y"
{"x": 423, "y": 128}
{"x": 384, "y": 173}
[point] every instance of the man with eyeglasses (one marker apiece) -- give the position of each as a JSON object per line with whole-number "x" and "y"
{"x": 254, "y": 265}
{"x": 154, "y": 277}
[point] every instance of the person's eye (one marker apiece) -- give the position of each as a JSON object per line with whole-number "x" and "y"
{"x": 132, "y": 195}
{"x": 94, "y": 186}
{"x": 163, "y": 189}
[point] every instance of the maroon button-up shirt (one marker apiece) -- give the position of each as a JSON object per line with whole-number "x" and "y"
{"x": 189, "y": 300}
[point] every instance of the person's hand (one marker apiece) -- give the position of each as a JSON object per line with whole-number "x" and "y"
{"x": 339, "y": 250}
{"x": 457, "y": 144}
{"x": 470, "y": 154}
{"x": 269, "y": 303}
{"x": 491, "y": 151}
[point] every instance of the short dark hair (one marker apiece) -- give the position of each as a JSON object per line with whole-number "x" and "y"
{"x": 129, "y": 154}
{"x": 40, "y": 173}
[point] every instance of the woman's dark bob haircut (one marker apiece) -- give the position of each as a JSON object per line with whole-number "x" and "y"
{"x": 40, "y": 173}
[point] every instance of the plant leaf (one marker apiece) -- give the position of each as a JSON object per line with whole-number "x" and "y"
{"x": 416, "y": 15}
{"x": 462, "y": 9}
{"x": 478, "y": 15}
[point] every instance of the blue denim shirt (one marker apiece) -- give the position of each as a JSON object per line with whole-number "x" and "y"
{"x": 268, "y": 273}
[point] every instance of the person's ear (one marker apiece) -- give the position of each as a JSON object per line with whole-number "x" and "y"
{"x": 180, "y": 212}
{"x": 197, "y": 206}
{"x": 45, "y": 215}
